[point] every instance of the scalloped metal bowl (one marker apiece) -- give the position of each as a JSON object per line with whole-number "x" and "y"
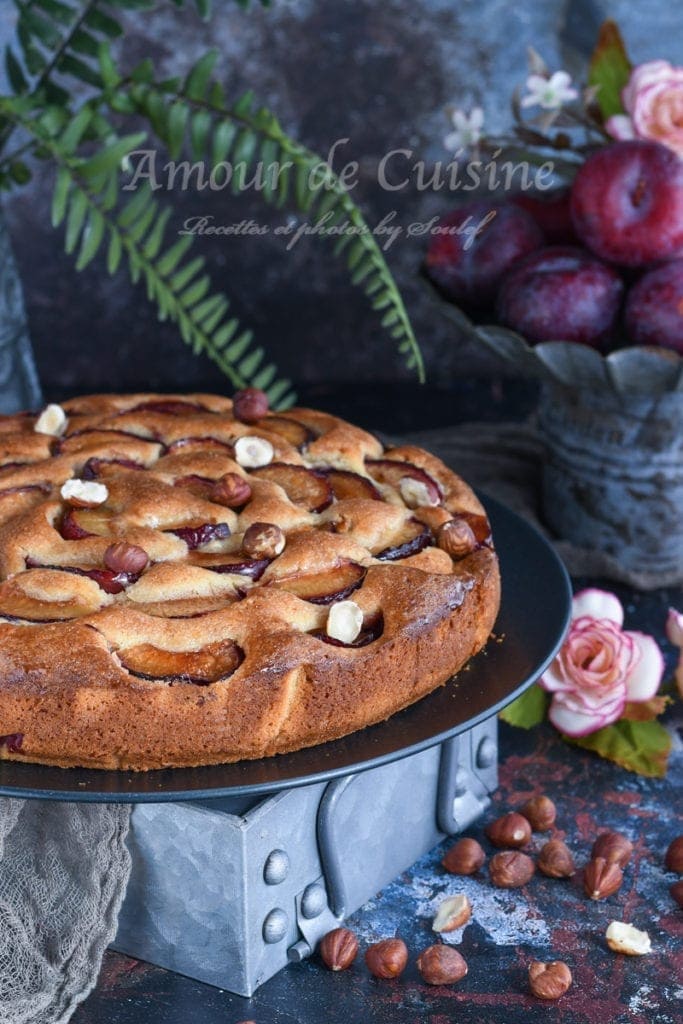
{"x": 644, "y": 369}
{"x": 647, "y": 370}
{"x": 613, "y": 428}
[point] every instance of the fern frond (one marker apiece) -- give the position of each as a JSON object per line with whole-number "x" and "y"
{"x": 62, "y": 38}
{"x": 87, "y": 201}
{"x": 195, "y": 118}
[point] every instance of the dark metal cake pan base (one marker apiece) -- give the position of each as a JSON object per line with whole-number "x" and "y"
{"x": 535, "y": 608}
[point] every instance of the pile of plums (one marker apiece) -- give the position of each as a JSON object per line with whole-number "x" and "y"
{"x": 600, "y": 263}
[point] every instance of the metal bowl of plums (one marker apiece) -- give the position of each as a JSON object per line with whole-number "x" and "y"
{"x": 582, "y": 287}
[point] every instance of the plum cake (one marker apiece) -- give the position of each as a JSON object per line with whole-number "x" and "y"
{"x": 192, "y": 579}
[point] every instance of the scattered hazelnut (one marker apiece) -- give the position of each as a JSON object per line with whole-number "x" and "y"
{"x": 456, "y": 538}
{"x": 339, "y": 949}
{"x": 84, "y": 493}
{"x": 253, "y": 452}
{"x": 601, "y": 879}
{"x": 511, "y": 869}
{"x": 123, "y": 557}
{"x": 555, "y": 860}
{"x": 464, "y": 857}
{"x": 676, "y": 891}
{"x": 615, "y": 848}
{"x": 540, "y": 812}
{"x": 263, "y": 540}
{"x": 510, "y": 830}
{"x": 416, "y": 494}
{"x": 673, "y": 861}
{"x": 344, "y": 621}
{"x": 452, "y": 913}
{"x": 441, "y": 965}
{"x": 387, "y": 959}
{"x": 249, "y": 405}
{"x": 624, "y": 938}
{"x": 549, "y": 981}
{"x": 52, "y": 420}
{"x": 231, "y": 490}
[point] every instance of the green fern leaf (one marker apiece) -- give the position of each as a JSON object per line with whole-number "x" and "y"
{"x": 91, "y": 239}
{"x": 197, "y": 81}
{"x": 15, "y": 73}
{"x": 78, "y": 208}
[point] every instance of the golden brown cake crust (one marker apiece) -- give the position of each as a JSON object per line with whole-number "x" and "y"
{"x": 208, "y": 654}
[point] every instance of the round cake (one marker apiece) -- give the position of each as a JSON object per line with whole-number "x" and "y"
{"x": 192, "y": 579}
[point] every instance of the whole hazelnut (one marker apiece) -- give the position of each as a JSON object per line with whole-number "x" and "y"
{"x": 540, "y": 812}
{"x": 555, "y": 860}
{"x": 615, "y": 848}
{"x": 231, "y": 490}
{"x": 601, "y": 879}
{"x": 456, "y": 538}
{"x": 464, "y": 857}
{"x": 249, "y": 405}
{"x": 511, "y": 869}
{"x": 263, "y": 540}
{"x": 452, "y": 913}
{"x": 549, "y": 981}
{"x": 510, "y": 830}
{"x": 128, "y": 558}
{"x": 673, "y": 861}
{"x": 339, "y": 949}
{"x": 387, "y": 958}
{"x": 676, "y": 891}
{"x": 441, "y": 965}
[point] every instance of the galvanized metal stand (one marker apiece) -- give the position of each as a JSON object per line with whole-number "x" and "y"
{"x": 228, "y": 891}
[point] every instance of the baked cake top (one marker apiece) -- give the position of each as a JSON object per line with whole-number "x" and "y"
{"x": 178, "y": 526}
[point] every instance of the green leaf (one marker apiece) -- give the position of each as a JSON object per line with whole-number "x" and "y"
{"x": 111, "y": 155}
{"x": 172, "y": 257}
{"x": 60, "y": 196}
{"x": 641, "y": 747}
{"x": 197, "y": 81}
{"x": 75, "y": 130}
{"x": 15, "y": 74}
{"x": 74, "y": 219}
{"x": 99, "y": 21}
{"x": 114, "y": 252}
{"x": 110, "y": 75}
{"x": 77, "y": 68}
{"x": 91, "y": 239}
{"x": 609, "y": 69}
{"x": 57, "y": 10}
{"x": 528, "y": 710}
{"x": 177, "y": 119}
{"x": 39, "y": 27}
{"x": 84, "y": 43}
{"x": 200, "y": 126}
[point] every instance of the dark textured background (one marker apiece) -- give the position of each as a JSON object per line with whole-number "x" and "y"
{"x": 377, "y": 71}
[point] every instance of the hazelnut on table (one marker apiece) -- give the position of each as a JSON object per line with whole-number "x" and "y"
{"x": 387, "y": 959}
{"x": 441, "y": 965}
{"x": 549, "y": 981}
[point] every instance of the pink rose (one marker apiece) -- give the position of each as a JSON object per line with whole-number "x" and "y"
{"x": 653, "y": 99}
{"x": 674, "y": 633}
{"x": 600, "y": 667}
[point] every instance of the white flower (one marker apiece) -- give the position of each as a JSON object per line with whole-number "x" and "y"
{"x": 467, "y": 129}
{"x": 549, "y": 93}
